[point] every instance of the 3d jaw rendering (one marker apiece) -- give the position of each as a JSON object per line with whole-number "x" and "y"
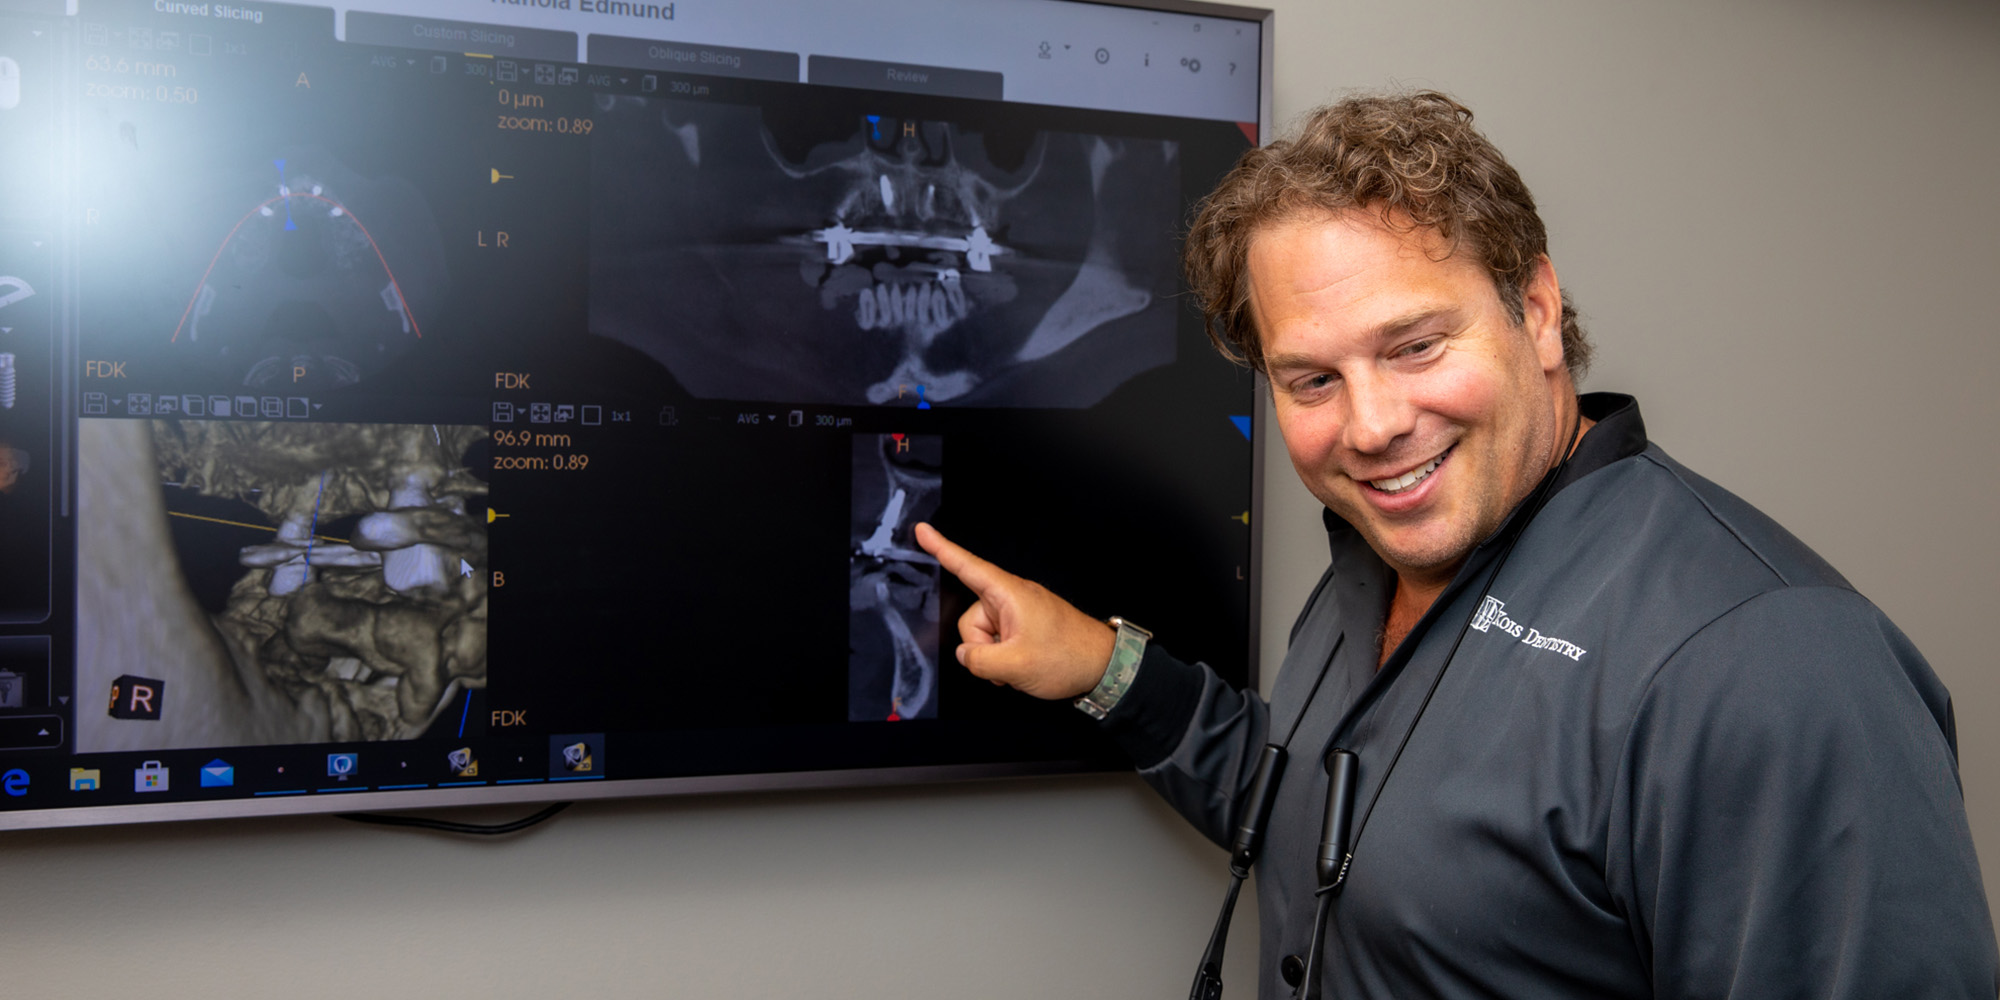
{"x": 365, "y": 637}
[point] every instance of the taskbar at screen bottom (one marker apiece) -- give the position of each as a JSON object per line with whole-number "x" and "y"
{"x": 101, "y": 789}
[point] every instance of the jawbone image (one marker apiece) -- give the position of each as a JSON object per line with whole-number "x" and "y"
{"x": 881, "y": 261}
{"x": 285, "y": 582}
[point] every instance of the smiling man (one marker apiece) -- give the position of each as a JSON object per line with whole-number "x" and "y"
{"x": 1415, "y": 403}
{"x": 1618, "y": 733}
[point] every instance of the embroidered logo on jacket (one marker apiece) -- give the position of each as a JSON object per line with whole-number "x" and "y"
{"x": 1493, "y": 615}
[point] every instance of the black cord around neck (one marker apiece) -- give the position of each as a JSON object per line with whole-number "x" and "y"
{"x": 1256, "y": 805}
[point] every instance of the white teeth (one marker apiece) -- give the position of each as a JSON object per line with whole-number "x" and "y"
{"x": 929, "y": 307}
{"x": 1407, "y": 479}
{"x": 416, "y": 567}
{"x": 289, "y": 577}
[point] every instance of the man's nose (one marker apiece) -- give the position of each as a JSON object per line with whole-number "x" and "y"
{"x": 1379, "y": 412}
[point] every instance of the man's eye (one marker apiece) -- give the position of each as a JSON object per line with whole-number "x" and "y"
{"x": 1317, "y": 382}
{"x": 1419, "y": 347}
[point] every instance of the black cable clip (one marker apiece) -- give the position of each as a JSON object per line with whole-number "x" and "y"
{"x": 1249, "y": 841}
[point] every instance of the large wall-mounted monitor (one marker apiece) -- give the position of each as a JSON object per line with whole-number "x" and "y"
{"x": 442, "y": 402}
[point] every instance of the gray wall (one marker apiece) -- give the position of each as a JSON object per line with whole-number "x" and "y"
{"x": 1779, "y": 219}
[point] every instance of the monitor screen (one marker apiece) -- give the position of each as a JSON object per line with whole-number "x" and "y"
{"x": 468, "y": 401}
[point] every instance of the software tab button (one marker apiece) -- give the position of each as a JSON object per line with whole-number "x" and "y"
{"x": 436, "y": 33}
{"x": 868, "y": 74}
{"x": 685, "y": 57}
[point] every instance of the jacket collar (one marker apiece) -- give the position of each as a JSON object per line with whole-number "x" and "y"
{"x": 1618, "y": 434}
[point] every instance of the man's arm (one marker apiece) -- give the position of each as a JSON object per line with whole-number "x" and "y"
{"x": 1193, "y": 737}
{"x": 1790, "y": 800}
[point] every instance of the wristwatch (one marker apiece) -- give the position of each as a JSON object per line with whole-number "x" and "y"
{"x": 1126, "y": 651}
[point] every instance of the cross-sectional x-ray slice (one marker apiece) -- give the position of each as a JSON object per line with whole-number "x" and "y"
{"x": 898, "y": 255}
{"x": 290, "y": 582}
{"x": 892, "y": 595}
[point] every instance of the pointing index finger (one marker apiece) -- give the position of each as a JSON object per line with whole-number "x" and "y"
{"x": 974, "y": 572}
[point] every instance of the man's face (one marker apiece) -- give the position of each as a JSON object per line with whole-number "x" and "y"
{"x": 1411, "y": 402}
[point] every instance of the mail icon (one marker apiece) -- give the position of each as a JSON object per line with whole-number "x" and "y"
{"x": 217, "y": 774}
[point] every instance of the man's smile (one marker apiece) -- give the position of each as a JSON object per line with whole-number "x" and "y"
{"x": 1395, "y": 485}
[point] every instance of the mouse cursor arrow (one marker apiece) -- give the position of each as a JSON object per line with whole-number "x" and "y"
{"x": 464, "y": 568}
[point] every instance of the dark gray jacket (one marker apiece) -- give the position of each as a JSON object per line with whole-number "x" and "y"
{"x": 1676, "y": 756}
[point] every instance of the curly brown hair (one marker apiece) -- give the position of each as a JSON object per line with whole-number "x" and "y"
{"x": 1415, "y": 159}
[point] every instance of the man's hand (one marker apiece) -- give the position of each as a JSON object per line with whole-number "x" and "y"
{"x": 1018, "y": 633}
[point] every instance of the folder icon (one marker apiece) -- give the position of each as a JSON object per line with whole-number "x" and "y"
{"x": 84, "y": 779}
{"x": 217, "y": 774}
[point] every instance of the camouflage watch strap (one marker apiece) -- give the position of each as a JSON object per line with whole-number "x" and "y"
{"x": 1126, "y": 651}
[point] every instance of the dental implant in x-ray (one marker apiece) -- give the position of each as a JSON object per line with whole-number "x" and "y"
{"x": 6, "y": 381}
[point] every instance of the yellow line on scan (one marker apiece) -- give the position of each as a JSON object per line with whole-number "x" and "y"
{"x": 253, "y": 527}
{"x": 494, "y": 515}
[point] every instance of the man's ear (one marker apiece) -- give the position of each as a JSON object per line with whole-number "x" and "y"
{"x": 1541, "y": 314}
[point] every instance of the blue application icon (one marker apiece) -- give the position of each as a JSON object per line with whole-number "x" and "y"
{"x": 15, "y": 782}
{"x": 217, "y": 774}
{"x": 342, "y": 765}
